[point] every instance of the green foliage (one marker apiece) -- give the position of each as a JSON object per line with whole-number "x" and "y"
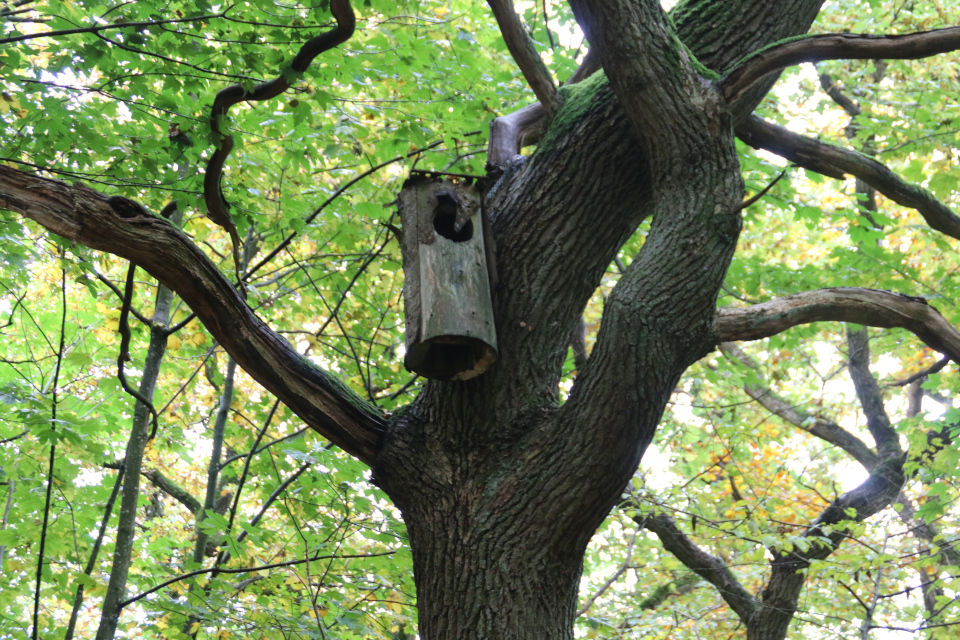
{"x": 126, "y": 109}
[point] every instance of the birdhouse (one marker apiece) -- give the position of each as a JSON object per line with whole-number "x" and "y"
{"x": 450, "y": 332}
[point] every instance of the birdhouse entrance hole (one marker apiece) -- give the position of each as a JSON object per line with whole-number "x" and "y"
{"x": 445, "y": 221}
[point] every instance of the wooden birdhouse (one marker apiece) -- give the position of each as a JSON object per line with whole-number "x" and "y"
{"x": 449, "y": 313}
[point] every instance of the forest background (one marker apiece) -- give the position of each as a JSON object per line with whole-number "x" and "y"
{"x": 250, "y": 524}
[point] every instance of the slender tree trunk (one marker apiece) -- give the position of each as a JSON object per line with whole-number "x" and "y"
{"x": 11, "y": 488}
{"x": 133, "y": 461}
{"x": 94, "y": 554}
{"x": 216, "y": 455}
{"x": 213, "y": 482}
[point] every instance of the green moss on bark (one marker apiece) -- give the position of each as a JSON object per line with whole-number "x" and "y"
{"x": 575, "y": 102}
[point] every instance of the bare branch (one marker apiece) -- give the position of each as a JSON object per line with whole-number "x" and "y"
{"x": 616, "y": 576}
{"x": 524, "y": 52}
{"x": 832, "y": 47}
{"x": 754, "y": 198}
{"x": 104, "y": 27}
{"x": 847, "y": 304}
{"x": 920, "y": 375}
{"x": 708, "y": 567}
{"x": 826, "y": 430}
{"x": 836, "y": 162}
{"x": 83, "y": 215}
{"x": 507, "y": 132}
{"x": 263, "y": 567}
{"x": 172, "y": 489}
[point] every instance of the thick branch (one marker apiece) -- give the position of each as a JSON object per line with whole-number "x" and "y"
{"x": 83, "y": 215}
{"x": 524, "y": 52}
{"x": 638, "y": 48}
{"x": 708, "y": 567}
{"x": 848, "y": 304}
{"x": 507, "y": 132}
{"x": 835, "y": 162}
{"x": 830, "y": 431}
{"x": 836, "y": 46}
{"x": 845, "y": 103}
{"x": 787, "y": 575}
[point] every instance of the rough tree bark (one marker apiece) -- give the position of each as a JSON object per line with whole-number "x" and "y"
{"x": 501, "y": 485}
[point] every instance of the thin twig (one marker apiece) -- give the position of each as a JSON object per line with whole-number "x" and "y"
{"x": 53, "y": 452}
{"x": 613, "y": 578}
{"x": 749, "y": 201}
{"x": 200, "y": 572}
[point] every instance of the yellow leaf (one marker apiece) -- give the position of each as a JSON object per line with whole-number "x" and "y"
{"x": 173, "y": 343}
{"x": 7, "y": 102}
{"x": 440, "y": 12}
{"x": 198, "y": 339}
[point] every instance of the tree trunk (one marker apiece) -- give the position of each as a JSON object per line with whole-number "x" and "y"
{"x": 500, "y": 484}
{"x": 469, "y": 585}
{"x": 497, "y": 533}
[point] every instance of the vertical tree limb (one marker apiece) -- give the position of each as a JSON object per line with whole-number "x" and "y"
{"x": 217, "y": 206}
{"x": 133, "y": 461}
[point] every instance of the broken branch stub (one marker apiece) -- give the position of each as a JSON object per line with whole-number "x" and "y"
{"x": 450, "y": 329}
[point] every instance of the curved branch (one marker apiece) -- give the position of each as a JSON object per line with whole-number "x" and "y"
{"x": 835, "y": 46}
{"x": 524, "y": 52}
{"x": 869, "y": 394}
{"x": 846, "y": 304}
{"x": 836, "y": 162}
{"x": 83, "y": 215}
{"x": 824, "y": 536}
{"x": 217, "y": 207}
{"x": 507, "y": 132}
{"x": 124, "y": 355}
